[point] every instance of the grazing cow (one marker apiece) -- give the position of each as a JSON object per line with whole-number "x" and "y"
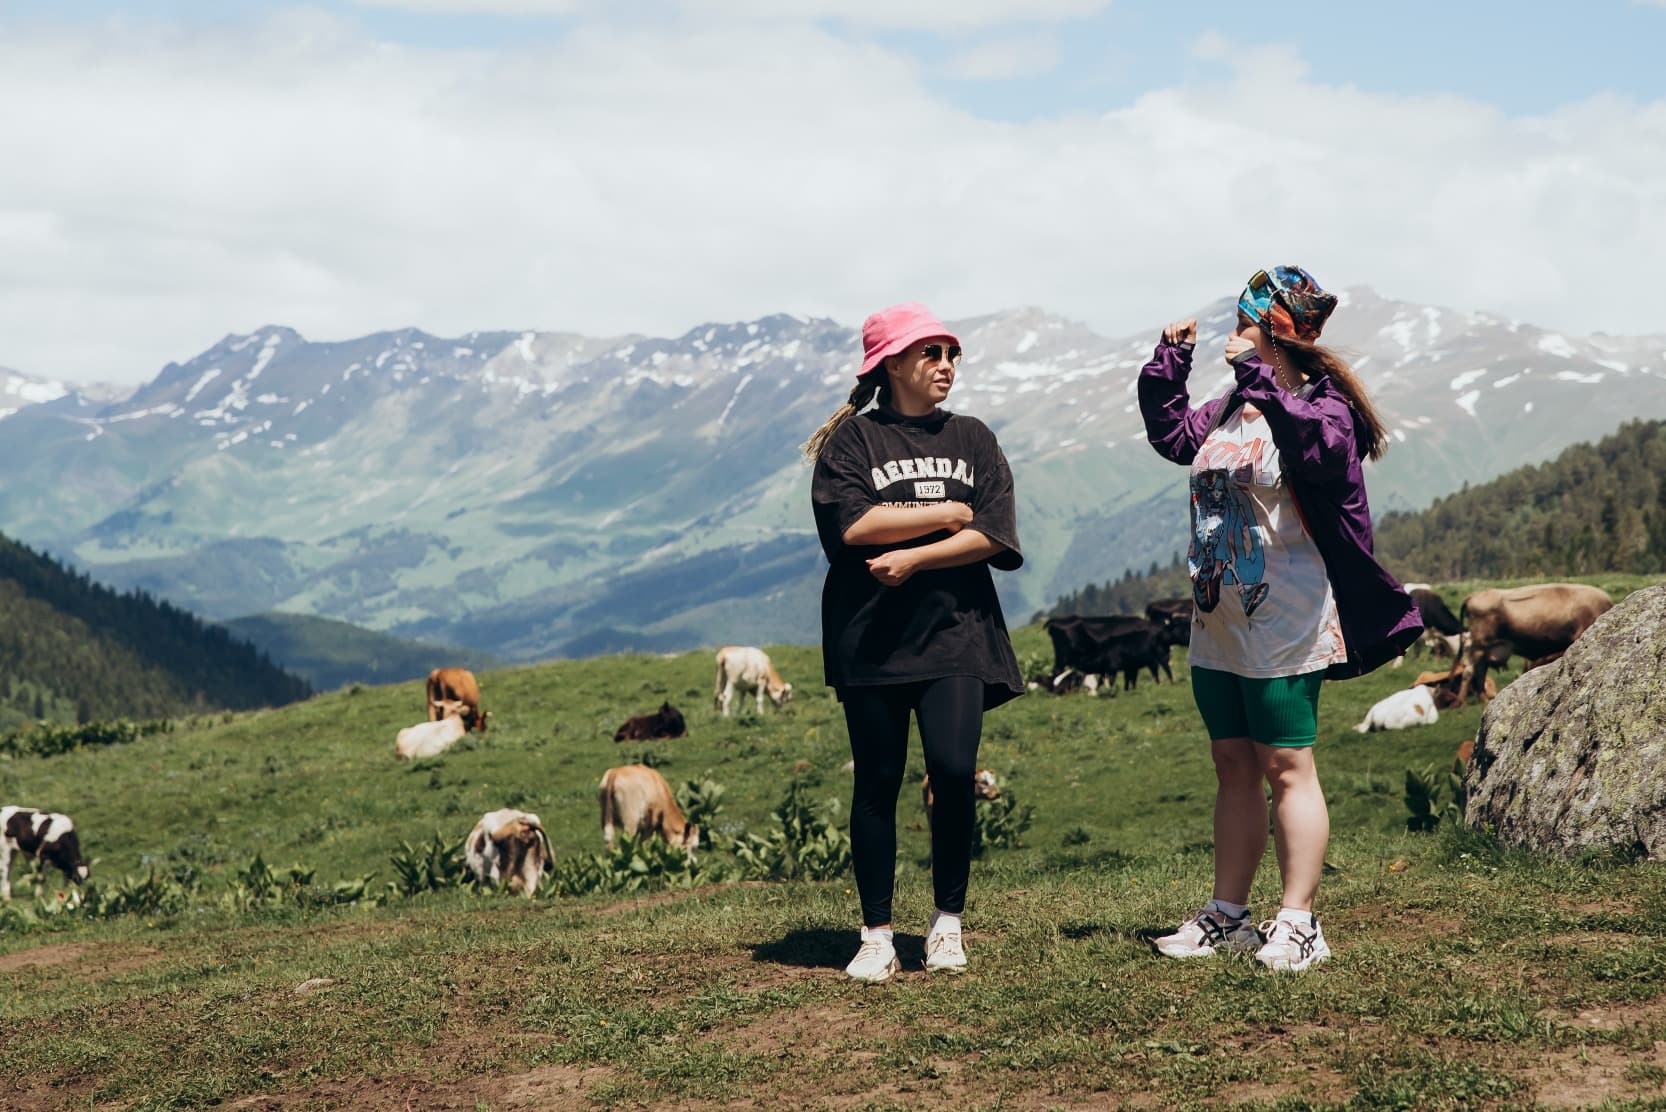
{"x": 742, "y": 668}
{"x": 1437, "y": 616}
{"x": 508, "y": 845}
{"x": 1533, "y": 621}
{"x": 666, "y": 722}
{"x": 48, "y": 837}
{"x": 638, "y": 799}
{"x": 1106, "y": 646}
{"x": 983, "y": 787}
{"x": 456, "y": 685}
{"x": 430, "y": 739}
{"x": 1401, "y": 710}
{"x": 1174, "y": 615}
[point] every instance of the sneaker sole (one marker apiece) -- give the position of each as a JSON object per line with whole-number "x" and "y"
{"x": 1300, "y": 967}
{"x": 1209, "y": 952}
{"x": 896, "y": 967}
{"x": 952, "y": 970}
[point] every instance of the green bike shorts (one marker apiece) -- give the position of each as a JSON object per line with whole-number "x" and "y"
{"x": 1281, "y": 710}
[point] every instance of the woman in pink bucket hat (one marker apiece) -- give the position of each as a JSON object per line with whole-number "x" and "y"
{"x": 913, "y": 505}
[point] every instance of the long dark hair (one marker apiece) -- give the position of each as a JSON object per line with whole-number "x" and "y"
{"x": 870, "y": 384}
{"x": 1321, "y": 362}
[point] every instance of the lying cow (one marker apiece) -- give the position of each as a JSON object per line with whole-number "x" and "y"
{"x": 666, "y": 722}
{"x": 1065, "y": 683}
{"x": 46, "y": 836}
{"x": 1447, "y": 686}
{"x": 458, "y": 686}
{"x": 1401, "y": 710}
{"x": 508, "y": 845}
{"x": 1106, "y": 646}
{"x": 1534, "y": 621}
{"x": 743, "y": 669}
{"x": 637, "y": 799}
{"x": 430, "y": 739}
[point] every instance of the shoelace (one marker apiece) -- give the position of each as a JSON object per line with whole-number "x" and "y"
{"x": 1302, "y": 938}
{"x": 872, "y": 948}
{"x": 937, "y": 941}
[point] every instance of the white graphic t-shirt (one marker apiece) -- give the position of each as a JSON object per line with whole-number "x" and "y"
{"x": 1264, "y": 604}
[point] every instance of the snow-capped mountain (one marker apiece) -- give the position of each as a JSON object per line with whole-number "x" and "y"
{"x": 530, "y": 493}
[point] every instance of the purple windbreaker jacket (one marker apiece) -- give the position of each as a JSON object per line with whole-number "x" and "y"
{"x": 1315, "y": 438}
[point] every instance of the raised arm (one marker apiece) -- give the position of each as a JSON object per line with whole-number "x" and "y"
{"x": 1172, "y": 425}
{"x": 1315, "y": 436}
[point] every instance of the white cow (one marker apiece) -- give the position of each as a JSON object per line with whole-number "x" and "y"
{"x": 1403, "y": 709}
{"x": 508, "y": 845}
{"x": 430, "y": 739}
{"x": 743, "y": 669}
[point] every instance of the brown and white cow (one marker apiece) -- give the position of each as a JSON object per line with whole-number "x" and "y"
{"x": 508, "y": 846}
{"x": 742, "y": 668}
{"x": 456, "y": 685}
{"x": 1533, "y": 621}
{"x": 637, "y": 799}
{"x": 430, "y": 739}
{"x": 46, "y": 836}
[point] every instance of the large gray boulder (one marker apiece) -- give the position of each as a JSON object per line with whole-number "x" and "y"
{"x": 1572, "y": 756}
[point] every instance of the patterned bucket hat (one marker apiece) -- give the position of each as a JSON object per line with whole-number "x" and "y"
{"x": 1287, "y": 302}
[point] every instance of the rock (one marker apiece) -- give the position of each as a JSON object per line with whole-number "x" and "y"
{"x": 1572, "y": 756}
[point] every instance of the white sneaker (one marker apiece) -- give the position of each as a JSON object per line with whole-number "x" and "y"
{"x": 945, "y": 952}
{"x": 1208, "y": 932}
{"x": 1292, "y": 947}
{"x": 875, "y": 961}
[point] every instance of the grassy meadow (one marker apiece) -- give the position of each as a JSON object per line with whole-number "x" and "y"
{"x": 1462, "y": 976}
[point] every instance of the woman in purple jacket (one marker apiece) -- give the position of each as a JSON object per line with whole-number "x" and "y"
{"x": 1286, "y": 588}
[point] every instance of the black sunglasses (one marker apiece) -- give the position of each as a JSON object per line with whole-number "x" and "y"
{"x": 934, "y": 352}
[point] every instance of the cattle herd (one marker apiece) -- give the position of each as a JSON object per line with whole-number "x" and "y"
{"x": 510, "y": 848}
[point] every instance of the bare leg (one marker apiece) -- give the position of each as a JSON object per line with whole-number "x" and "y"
{"x": 1301, "y": 823}
{"x": 1240, "y": 817}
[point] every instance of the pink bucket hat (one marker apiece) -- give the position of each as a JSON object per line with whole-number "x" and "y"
{"x": 892, "y": 330}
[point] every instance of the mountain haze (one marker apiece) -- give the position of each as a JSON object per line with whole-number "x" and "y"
{"x": 539, "y": 493}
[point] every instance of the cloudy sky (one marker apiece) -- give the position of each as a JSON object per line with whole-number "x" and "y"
{"x": 174, "y": 171}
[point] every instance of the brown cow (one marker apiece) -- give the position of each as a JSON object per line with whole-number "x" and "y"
{"x": 666, "y": 722}
{"x": 1445, "y": 686}
{"x": 638, "y": 799}
{"x": 983, "y": 787}
{"x": 456, "y": 685}
{"x": 1534, "y": 621}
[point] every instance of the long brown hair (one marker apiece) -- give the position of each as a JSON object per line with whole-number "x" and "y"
{"x": 1320, "y": 362}
{"x": 870, "y": 384}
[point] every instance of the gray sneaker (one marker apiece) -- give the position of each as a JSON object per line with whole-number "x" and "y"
{"x": 1208, "y": 932}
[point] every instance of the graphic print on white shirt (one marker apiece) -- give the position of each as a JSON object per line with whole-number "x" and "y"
{"x": 1264, "y": 605}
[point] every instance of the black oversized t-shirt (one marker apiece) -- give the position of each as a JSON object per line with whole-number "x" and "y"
{"x": 943, "y": 622}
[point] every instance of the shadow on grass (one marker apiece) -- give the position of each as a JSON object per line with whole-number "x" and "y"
{"x": 821, "y": 948}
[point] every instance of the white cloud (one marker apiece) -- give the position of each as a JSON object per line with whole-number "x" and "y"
{"x": 163, "y": 189}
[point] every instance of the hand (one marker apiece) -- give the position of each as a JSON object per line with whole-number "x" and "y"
{"x": 1181, "y": 331}
{"x": 893, "y": 568}
{"x": 1236, "y": 346}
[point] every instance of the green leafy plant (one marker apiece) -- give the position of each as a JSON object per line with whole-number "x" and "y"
{"x": 42, "y": 739}
{"x": 701, "y": 801}
{"x": 430, "y": 867}
{"x": 1000, "y": 823}
{"x": 806, "y": 844}
{"x": 1424, "y": 790}
{"x": 632, "y": 865}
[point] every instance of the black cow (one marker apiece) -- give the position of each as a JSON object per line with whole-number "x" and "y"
{"x": 666, "y": 722}
{"x": 1174, "y": 615}
{"x": 1436, "y": 615}
{"x": 1106, "y": 646}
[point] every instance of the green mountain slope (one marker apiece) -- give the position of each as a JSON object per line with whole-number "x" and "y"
{"x": 71, "y": 648}
{"x": 327, "y": 653}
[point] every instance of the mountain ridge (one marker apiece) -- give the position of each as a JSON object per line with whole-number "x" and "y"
{"x": 522, "y": 492}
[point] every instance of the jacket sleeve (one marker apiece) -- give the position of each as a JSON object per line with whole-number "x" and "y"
{"x": 1315, "y": 436}
{"x": 1172, "y": 426}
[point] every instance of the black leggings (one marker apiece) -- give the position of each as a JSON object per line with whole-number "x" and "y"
{"x": 950, "y": 713}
